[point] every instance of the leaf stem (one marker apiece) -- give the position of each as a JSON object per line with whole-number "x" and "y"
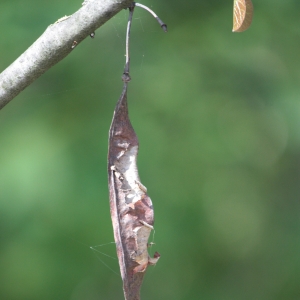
{"x": 126, "y": 76}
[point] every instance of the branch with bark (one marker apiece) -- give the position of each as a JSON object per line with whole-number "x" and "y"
{"x": 56, "y": 43}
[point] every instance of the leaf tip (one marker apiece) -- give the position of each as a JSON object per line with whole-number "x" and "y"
{"x": 242, "y": 15}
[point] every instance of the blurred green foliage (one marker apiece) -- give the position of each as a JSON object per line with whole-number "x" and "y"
{"x": 218, "y": 119}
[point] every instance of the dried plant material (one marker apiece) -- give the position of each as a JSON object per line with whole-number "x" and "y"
{"x": 242, "y": 15}
{"x": 131, "y": 208}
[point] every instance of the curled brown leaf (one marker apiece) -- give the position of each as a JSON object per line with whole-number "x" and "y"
{"x": 242, "y": 15}
{"x": 131, "y": 208}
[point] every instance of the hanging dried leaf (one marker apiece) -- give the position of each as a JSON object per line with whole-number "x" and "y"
{"x": 131, "y": 208}
{"x": 242, "y": 15}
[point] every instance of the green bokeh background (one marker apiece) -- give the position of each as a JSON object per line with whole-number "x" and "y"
{"x": 218, "y": 119}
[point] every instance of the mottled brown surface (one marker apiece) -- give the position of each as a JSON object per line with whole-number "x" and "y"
{"x": 131, "y": 208}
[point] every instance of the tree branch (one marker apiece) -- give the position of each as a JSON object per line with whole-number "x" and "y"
{"x": 54, "y": 44}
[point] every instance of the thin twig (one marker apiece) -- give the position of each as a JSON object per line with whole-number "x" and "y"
{"x": 161, "y": 23}
{"x": 126, "y": 76}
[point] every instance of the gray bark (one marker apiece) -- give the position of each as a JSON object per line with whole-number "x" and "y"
{"x": 54, "y": 44}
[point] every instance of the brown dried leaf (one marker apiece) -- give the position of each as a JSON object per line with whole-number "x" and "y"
{"x": 131, "y": 208}
{"x": 242, "y": 15}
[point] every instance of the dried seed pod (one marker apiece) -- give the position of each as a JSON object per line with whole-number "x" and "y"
{"x": 242, "y": 15}
{"x": 131, "y": 208}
